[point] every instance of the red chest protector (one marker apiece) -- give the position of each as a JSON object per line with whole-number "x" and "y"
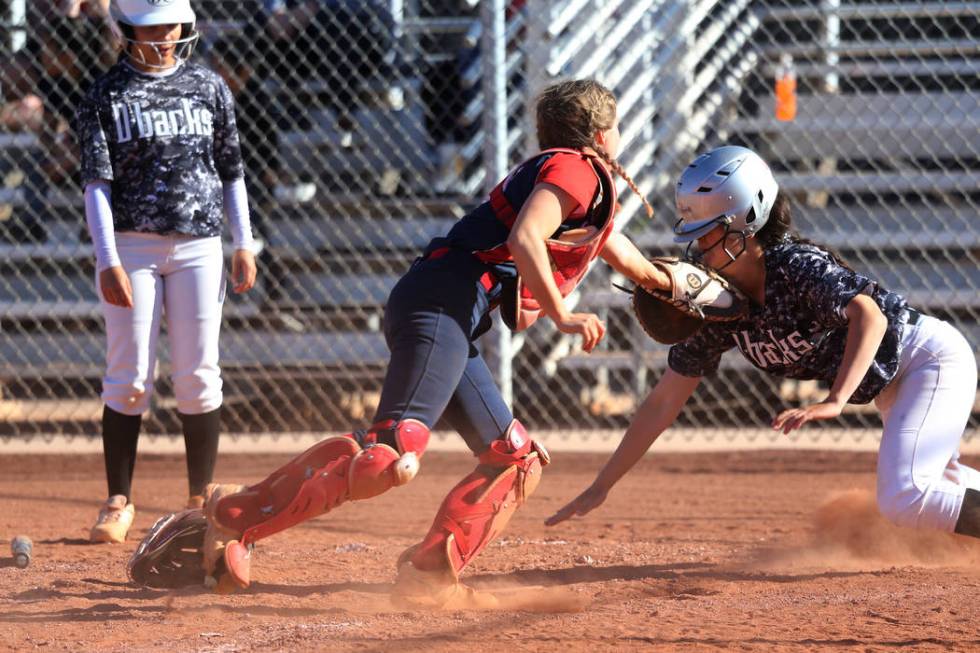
{"x": 570, "y": 254}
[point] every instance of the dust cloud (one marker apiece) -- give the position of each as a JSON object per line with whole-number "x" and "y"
{"x": 849, "y": 533}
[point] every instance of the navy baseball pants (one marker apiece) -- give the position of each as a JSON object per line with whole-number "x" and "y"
{"x": 434, "y": 315}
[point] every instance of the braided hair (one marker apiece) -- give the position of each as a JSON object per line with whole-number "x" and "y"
{"x": 569, "y": 114}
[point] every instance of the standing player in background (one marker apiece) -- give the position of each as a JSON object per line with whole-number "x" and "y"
{"x": 813, "y": 317}
{"x": 160, "y": 162}
{"x": 539, "y": 230}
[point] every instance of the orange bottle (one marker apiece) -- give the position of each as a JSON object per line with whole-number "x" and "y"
{"x": 785, "y": 89}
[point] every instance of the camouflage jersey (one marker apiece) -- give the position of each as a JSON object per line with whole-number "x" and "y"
{"x": 800, "y": 330}
{"x": 166, "y": 144}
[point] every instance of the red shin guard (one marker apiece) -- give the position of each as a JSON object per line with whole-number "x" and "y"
{"x": 479, "y": 507}
{"x": 323, "y": 477}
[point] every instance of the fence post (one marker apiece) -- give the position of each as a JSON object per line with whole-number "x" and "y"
{"x": 829, "y": 40}
{"x": 495, "y": 156}
{"x": 18, "y": 24}
{"x": 537, "y": 51}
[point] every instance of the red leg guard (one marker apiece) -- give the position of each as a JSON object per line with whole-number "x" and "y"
{"x": 321, "y": 478}
{"x": 479, "y": 507}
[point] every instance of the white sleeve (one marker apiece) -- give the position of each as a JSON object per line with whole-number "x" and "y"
{"x": 236, "y": 209}
{"x": 98, "y": 215}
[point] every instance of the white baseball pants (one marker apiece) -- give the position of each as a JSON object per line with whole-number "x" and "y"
{"x": 925, "y": 410}
{"x": 183, "y": 277}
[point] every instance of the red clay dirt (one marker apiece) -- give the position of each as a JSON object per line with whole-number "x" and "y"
{"x": 762, "y": 551}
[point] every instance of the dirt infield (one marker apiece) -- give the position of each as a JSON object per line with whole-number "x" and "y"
{"x": 745, "y": 551}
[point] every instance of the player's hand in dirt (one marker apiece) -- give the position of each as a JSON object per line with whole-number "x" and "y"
{"x": 794, "y": 418}
{"x": 587, "y": 325}
{"x": 243, "y": 270}
{"x": 115, "y": 286}
{"x": 583, "y": 504}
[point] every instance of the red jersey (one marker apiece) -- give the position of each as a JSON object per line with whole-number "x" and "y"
{"x": 576, "y": 242}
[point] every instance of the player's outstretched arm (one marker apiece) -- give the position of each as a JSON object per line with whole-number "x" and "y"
{"x": 620, "y": 253}
{"x": 655, "y": 415}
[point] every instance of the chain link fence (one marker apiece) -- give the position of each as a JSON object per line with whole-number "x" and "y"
{"x": 369, "y": 127}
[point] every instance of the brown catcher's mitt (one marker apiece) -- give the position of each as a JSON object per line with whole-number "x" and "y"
{"x": 698, "y": 294}
{"x": 171, "y": 555}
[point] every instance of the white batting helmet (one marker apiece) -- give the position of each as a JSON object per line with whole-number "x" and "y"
{"x": 127, "y": 14}
{"x": 730, "y": 186}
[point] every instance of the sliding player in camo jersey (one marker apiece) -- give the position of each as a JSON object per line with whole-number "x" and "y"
{"x": 816, "y": 318}
{"x": 160, "y": 163}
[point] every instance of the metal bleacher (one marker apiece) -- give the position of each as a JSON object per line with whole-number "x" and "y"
{"x": 345, "y": 258}
{"x": 882, "y": 157}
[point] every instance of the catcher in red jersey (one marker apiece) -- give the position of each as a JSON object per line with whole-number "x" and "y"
{"x": 523, "y": 250}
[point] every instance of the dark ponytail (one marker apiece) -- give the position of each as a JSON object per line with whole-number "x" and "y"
{"x": 779, "y": 229}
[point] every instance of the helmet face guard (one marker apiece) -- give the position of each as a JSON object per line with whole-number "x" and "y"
{"x": 732, "y": 243}
{"x": 183, "y": 47}
{"x": 688, "y": 232}
{"x": 126, "y": 15}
